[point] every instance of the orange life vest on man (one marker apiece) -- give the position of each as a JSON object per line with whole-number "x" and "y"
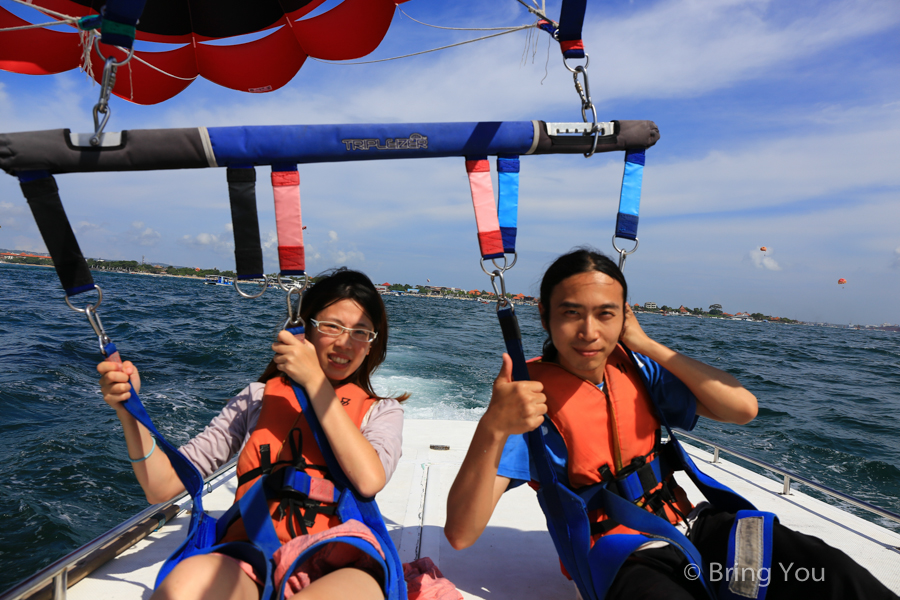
{"x": 607, "y": 433}
{"x": 282, "y": 437}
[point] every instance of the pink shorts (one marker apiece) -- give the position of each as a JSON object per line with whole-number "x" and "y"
{"x": 329, "y": 558}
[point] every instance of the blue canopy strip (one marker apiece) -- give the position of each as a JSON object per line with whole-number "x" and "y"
{"x": 630, "y": 196}
{"x": 508, "y": 200}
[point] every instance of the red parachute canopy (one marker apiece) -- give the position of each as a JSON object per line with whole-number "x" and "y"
{"x": 350, "y": 30}
{"x": 763, "y": 248}
{"x": 842, "y": 281}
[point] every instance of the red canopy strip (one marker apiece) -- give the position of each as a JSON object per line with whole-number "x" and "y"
{"x": 37, "y": 51}
{"x": 489, "y": 238}
{"x": 291, "y": 257}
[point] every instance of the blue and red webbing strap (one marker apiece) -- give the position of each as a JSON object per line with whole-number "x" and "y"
{"x": 568, "y": 31}
{"x": 288, "y": 221}
{"x": 120, "y": 17}
{"x": 496, "y": 223}
{"x": 630, "y": 196}
{"x": 248, "y": 256}
{"x": 571, "y": 20}
{"x": 508, "y": 200}
{"x": 42, "y": 193}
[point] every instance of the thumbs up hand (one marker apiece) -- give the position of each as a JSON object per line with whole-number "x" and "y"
{"x": 516, "y": 406}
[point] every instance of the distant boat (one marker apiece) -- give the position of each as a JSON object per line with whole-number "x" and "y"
{"x": 218, "y": 280}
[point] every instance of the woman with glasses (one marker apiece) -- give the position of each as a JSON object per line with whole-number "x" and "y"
{"x": 346, "y": 340}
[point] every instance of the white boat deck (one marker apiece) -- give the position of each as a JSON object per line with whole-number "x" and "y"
{"x": 515, "y": 557}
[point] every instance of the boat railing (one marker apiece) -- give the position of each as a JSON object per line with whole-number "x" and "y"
{"x": 51, "y": 582}
{"x": 789, "y": 476}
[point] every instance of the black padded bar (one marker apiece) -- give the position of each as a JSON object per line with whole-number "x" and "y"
{"x": 248, "y": 255}
{"x": 43, "y": 198}
{"x": 628, "y": 135}
{"x": 139, "y": 150}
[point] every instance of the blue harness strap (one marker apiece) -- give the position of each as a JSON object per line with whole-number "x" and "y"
{"x": 630, "y": 195}
{"x": 354, "y": 506}
{"x": 749, "y": 556}
{"x": 508, "y": 200}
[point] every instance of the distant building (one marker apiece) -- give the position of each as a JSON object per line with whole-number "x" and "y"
{"x": 683, "y": 310}
{"x": 412, "y": 291}
{"x": 650, "y": 305}
{"x": 381, "y": 288}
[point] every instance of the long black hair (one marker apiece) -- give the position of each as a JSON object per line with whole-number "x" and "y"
{"x": 580, "y": 260}
{"x": 345, "y": 284}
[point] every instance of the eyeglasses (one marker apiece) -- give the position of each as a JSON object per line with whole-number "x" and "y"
{"x": 336, "y": 329}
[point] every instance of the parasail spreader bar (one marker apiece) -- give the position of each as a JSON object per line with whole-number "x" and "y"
{"x": 60, "y": 151}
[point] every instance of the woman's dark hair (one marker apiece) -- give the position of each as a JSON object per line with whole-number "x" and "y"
{"x": 346, "y": 284}
{"x": 580, "y": 260}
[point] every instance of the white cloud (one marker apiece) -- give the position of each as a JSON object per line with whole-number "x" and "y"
{"x": 333, "y": 236}
{"x": 896, "y": 264}
{"x": 764, "y": 260}
{"x": 218, "y": 244}
{"x": 141, "y": 235}
{"x": 229, "y": 226}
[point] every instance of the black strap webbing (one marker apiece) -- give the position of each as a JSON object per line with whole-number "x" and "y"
{"x": 43, "y": 198}
{"x": 248, "y": 254}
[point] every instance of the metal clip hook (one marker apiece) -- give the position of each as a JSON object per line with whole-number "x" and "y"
{"x": 107, "y": 83}
{"x": 502, "y": 300}
{"x": 294, "y": 319}
{"x": 94, "y": 319}
{"x": 587, "y": 104}
{"x": 623, "y": 254}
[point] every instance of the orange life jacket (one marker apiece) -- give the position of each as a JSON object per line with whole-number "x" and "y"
{"x": 280, "y": 434}
{"x": 607, "y": 434}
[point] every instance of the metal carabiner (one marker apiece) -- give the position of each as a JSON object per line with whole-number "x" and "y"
{"x": 264, "y": 284}
{"x": 623, "y": 254}
{"x": 108, "y": 82}
{"x": 294, "y": 319}
{"x": 93, "y": 318}
{"x": 502, "y": 300}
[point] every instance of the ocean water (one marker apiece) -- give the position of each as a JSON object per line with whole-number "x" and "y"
{"x": 829, "y": 398}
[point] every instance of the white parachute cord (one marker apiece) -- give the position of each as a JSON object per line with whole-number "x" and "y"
{"x": 405, "y": 14}
{"x": 38, "y": 25}
{"x": 369, "y": 62}
{"x": 47, "y": 11}
{"x": 87, "y": 43}
{"x": 155, "y": 68}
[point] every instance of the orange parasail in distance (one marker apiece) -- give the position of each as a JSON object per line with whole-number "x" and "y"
{"x": 763, "y": 248}
{"x": 842, "y": 281}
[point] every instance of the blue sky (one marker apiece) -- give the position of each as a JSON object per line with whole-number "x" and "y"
{"x": 780, "y": 127}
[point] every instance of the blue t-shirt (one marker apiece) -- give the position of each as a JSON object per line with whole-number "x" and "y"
{"x": 676, "y": 402}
